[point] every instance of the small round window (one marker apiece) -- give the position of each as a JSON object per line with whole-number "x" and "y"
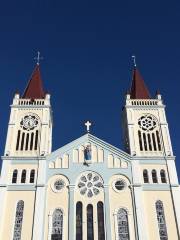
{"x": 59, "y": 185}
{"x": 119, "y": 185}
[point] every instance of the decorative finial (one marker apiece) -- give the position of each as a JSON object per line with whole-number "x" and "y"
{"x": 134, "y": 60}
{"x": 88, "y": 125}
{"x": 38, "y": 58}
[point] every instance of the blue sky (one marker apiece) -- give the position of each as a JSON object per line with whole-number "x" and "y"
{"x": 87, "y": 48}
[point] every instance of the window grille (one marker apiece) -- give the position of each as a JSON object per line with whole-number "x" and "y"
{"x": 154, "y": 176}
{"x": 145, "y": 176}
{"x": 27, "y": 141}
{"x": 57, "y": 225}
{"x": 100, "y": 216}
{"x": 140, "y": 141}
{"x": 14, "y": 176}
{"x": 22, "y": 141}
{"x": 79, "y": 216}
{"x": 32, "y": 175}
{"x": 36, "y": 140}
{"x": 163, "y": 176}
{"x": 18, "y": 220}
{"x": 90, "y": 228}
{"x": 161, "y": 221}
{"x": 32, "y": 141}
{"x": 18, "y": 138}
{"x": 122, "y": 223}
{"x": 23, "y": 176}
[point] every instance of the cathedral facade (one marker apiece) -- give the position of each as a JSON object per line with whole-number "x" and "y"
{"x": 89, "y": 189}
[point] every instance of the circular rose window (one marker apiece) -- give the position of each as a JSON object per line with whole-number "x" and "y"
{"x": 90, "y": 184}
{"x": 29, "y": 122}
{"x": 147, "y": 122}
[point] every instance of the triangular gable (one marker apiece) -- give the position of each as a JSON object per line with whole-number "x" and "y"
{"x": 89, "y": 138}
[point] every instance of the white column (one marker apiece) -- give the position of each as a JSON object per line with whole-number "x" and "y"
{"x": 173, "y": 178}
{"x": 49, "y": 225}
{"x": 175, "y": 188}
{"x": 176, "y": 197}
{"x": 71, "y": 218}
{"x": 107, "y": 224}
{"x": 38, "y": 230}
{"x": 138, "y": 201}
{"x": 132, "y": 144}
{"x": 2, "y": 209}
{"x": 140, "y": 214}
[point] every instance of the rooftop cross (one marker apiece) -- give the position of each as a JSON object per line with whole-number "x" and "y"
{"x": 38, "y": 58}
{"x": 88, "y": 124}
{"x": 134, "y": 60}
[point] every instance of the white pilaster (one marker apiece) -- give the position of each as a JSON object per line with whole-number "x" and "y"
{"x": 176, "y": 197}
{"x": 71, "y": 221}
{"x": 107, "y": 223}
{"x": 38, "y": 230}
{"x": 173, "y": 178}
{"x": 138, "y": 202}
{"x": 2, "y": 208}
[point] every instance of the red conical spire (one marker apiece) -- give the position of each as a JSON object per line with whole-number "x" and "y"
{"x": 138, "y": 88}
{"x": 34, "y": 88}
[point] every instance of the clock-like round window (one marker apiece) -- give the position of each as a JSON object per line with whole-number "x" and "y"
{"x": 90, "y": 184}
{"x": 119, "y": 185}
{"x": 147, "y": 122}
{"x": 59, "y": 185}
{"x": 29, "y": 122}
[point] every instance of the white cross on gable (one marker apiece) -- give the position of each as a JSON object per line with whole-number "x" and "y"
{"x": 88, "y": 125}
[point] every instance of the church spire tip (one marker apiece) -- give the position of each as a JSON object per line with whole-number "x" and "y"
{"x": 34, "y": 89}
{"x": 138, "y": 89}
{"x": 38, "y": 58}
{"x": 134, "y": 60}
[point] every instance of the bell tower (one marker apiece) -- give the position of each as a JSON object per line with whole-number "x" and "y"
{"x": 28, "y": 141}
{"x": 30, "y": 125}
{"x": 146, "y": 131}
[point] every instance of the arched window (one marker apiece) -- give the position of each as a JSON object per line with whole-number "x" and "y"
{"x": 90, "y": 228}
{"x": 140, "y": 141}
{"x": 27, "y": 141}
{"x": 154, "y": 142}
{"x": 161, "y": 221}
{"x": 149, "y": 142}
{"x": 32, "y": 141}
{"x": 18, "y": 137}
{"x": 163, "y": 176}
{"x": 122, "y": 223}
{"x": 158, "y": 140}
{"x": 23, "y": 176}
{"x": 145, "y": 141}
{"x": 79, "y": 216}
{"x": 18, "y": 220}
{"x": 32, "y": 175}
{"x": 145, "y": 176}
{"x": 22, "y": 141}
{"x": 154, "y": 176}
{"x": 36, "y": 140}
{"x": 100, "y": 216}
{"x": 14, "y": 176}
{"x": 57, "y": 225}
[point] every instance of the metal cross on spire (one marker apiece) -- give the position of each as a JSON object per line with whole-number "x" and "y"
{"x": 38, "y": 58}
{"x": 88, "y": 125}
{"x": 134, "y": 60}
